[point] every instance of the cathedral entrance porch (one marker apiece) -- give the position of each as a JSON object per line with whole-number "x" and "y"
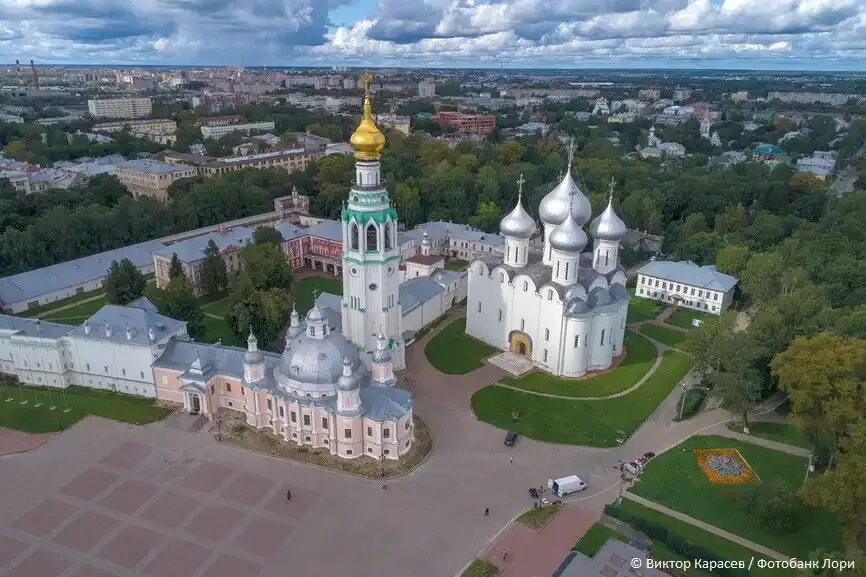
{"x": 519, "y": 343}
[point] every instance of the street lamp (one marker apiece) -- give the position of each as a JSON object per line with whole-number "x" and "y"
{"x": 686, "y": 389}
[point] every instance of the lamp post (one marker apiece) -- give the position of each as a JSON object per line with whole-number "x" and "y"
{"x": 686, "y": 389}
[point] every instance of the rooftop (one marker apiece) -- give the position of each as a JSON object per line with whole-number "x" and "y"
{"x": 153, "y": 166}
{"x": 192, "y": 249}
{"x": 687, "y": 272}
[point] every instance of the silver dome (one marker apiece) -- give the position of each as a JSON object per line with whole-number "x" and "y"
{"x": 518, "y": 223}
{"x": 253, "y": 355}
{"x": 568, "y": 236}
{"x": 295, "y": 327}
{"x": 576, "y": 307}
{"x": 347, "y": 382}
{"x": 315, "y": 314}
{"x": 608, "y": 225}
{"x": 554, "y": 206}
{"x": 382, "y": 354}
{"x": 315, "y": 363}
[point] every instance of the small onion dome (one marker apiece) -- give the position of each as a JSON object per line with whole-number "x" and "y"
{"x": 425, "y": 240}
{"x": 295, "y": 327}
{"x": 367, "y": 140}
{"x": 568, "y": 236}
{"x": 554, "y": 206}
{"x": 382, "y": 354}
{"x": 607, "y": 225}
{"x": 518, "y": 223}
{"x": 253, "y": 354}
{"x": 346, "y": 382}
{"x": 315, "y": 315}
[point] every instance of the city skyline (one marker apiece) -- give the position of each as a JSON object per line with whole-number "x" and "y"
{"x": 524, "y": 34}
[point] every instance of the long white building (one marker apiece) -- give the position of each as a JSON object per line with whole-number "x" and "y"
{"x": 686, "y": 284}
{"x": 220, "y": 131}
{"x": 560, "y": 307}
{"x": 119, "y": 107}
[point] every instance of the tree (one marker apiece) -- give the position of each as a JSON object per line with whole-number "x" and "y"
{"x": 177, "y": 300}
{"x": 266, "y": 267}
{"x": 124, "y": 282}
{"x": 175, "y": 269}
{"x": 776, "y": 506}
{"x": 487, "y": 217}
{"x": 761, "y": 277}
{"x": 267, "y": 234}
{"x": 213, "y": 276}
{"x": 823, "y": 376}
{"x": 717, "y": 346}
{"x": 265, "y": 311}
{"x": 408, "y": 204}
{"x": 732, "y": 259}
{"x": 842, "y": 490}
{"x": 737, "y": 392}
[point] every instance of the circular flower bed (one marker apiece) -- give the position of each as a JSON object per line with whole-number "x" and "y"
{"x": 724, "y": 466}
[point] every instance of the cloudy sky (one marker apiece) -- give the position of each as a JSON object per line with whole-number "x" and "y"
{"x": 763, "y": 34}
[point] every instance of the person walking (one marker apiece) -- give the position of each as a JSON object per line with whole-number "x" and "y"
{"x": 384, "y": 486}
{"x": 505, "y": 555}
{"x": 510, "y": 460}
{"x": 288, "y": 496}
{"x": 486, "y": 511}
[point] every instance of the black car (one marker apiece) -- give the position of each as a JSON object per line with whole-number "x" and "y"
{"x": 510, "y": 439}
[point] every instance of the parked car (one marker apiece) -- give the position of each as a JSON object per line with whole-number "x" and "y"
{"x": 510, "y": 439}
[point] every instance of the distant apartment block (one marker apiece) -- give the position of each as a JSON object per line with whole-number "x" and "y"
{"x": 649, "y": 94}
{"x": 811, "y": 97}
{"x": 426, "y": 89}
{"x": 290, "y": 160}
{"x": 151, "y": 178}
{"x": 161, "y": 124}
{"x": 220, "y": 131}
{"x": 226, "y": 120}
{"x": 119, "y": 107}
{"x": 394, "y": 121}
{"x": 468, "y": 123}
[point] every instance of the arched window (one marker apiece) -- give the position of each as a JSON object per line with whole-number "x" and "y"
{"x": 372, "y": 244}
{"x": 566, "y": 270}
{"x": 606, "y": 257}
{"x": 550, "y": 294}
{"x": 602, "y": 336}
{"x": 522, "y": 324}
{"x": 312, "y": 330}
{"x": 557, "y": 268}
{"x": 525, "y": 286}
{"x": 353, "y": 233}
{"x": 387, "y": 236}
{"x": 502, "y": 277}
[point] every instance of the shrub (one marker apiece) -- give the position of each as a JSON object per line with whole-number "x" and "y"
{"x": 775, "y": 506}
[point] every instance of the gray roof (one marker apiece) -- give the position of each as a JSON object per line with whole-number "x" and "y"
{"x": 33, "y": 327}
{"x": 612, "y": 560}
{"x": 192, "y": 249}
{"x": 385, "y": 403}
{"x": 32, "y": 284}
{"x": 687, "y": 272}
{"x": 417, "y": 291}
{"x": 137, "y": 320}
{"x": 329, "y": 229}
{"x": 445, "y": 277}
{"x": 154, "y": 167}
{"x": 289, "y": 231}
{"x": 213, "y": 359}
{"x": 455, "y": 230}
{"x": 332, "y": 308}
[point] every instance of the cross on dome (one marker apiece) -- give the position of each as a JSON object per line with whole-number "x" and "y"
{"x": 570, "y": 150}
{"x": 610, "y": 187}
{"x": 520, "y": 182}
{"x": 366, "y": 77}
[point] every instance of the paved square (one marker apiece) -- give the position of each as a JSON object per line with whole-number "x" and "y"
{"x": 10, "y": 549}
{"x": 128, "y": 456}
{"x": 129, "y": 496}
{"x": 86, "y": 531}
{"x": 302, "y": 501}
{"x": 263, "y": 537}
{"x": 130, "y": 546}
{"x": 177, "y": 559}
{"x": 89, "y": 484}
{"x": 248, "y": 489}
{"x": 40, "y": 563}
{"x": 511, "y": 362}
{"x": 170, "y": 509}
{"x": 206, "y": 477}
{"x": 215, "y": 522}
{"x": 91, "y": 571}
{"x": 44, "y": 517}
{"x": 231, "y": 566}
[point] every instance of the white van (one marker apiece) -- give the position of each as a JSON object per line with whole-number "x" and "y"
{"x": 566, "y": 485}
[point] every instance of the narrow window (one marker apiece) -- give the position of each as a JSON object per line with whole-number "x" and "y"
{"x": 293, "y": 417}
{"x": 545, "y": 356}
{"x": 282, "y": 414}
{"x": 228, "y": 387}
{"x": 354, "y": 235}
{"x": 386, "y": 433}
{"x": 347, "y": 434}
{"x": 566, "y": 269}
{"x": 371, "y": 237}
{"x": 387, "y": 236}
{"x": 606, "y": 257}
{"x": 550, "y": 295}
{"x": 369, "y": 431}
{"x": 500, "y": 315}
{"x": 522, "y": 324}
{"x": 306, "y": 420}
{"x": 324, "y": 422}
{"x": 602, "y": 336}
{"x": 576, "y": 341}
{"x": 557, "y": 268}
{"x": 270, "y": 405}
{"x": 547, "y": 334}
{"x": 525, "y": 286}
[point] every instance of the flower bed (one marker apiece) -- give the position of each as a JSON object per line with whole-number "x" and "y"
{"x": 725, "y": 466}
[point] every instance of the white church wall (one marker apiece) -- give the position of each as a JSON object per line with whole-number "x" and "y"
{"x": 121, "y": 367}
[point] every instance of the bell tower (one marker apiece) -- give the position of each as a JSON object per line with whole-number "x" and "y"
{"x": 370, "y": 252}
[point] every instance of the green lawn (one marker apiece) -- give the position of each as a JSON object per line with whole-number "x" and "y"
{"x": 81, "y": 402}
{"x": 674, "y": 479}
{"x": 303, "y": 290}
{"x": 641, "y": 309}
{"x": 219, "y": 307}
{"x": 640, "y": 356}
{"x": 723, "y": 548}
{"x": 683, "y": 317}
{"x": 451, "y": 351}
{"x": 59, "y": 303}
{"x": 480, "y": 568}
{"x": 456, "y": 264}
{"x": 213, "y": 330}
{"x": 670, "y": 337}
{"x": 597, "y": 536}
{"x": 591, "y": 422}
{"x": 787, "y": 433}
{"x": 538, "y": 518}
{"x": 77, "y": 314}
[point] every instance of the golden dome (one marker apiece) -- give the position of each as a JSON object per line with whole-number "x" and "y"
{"x": 367, "y": 140}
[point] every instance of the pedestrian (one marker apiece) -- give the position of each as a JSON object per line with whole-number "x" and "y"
{"x": 384, "y": 486}
{"x": 510, "y": 460}
{"x": 288, "y": 496}
{"x": 486, "y": 511}
{"x": 505, "y": 555}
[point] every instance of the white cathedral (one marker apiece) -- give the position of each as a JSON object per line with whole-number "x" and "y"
{"x": 560, "y": 307}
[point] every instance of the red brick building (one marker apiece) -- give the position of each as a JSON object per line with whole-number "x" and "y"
{"x": 468, "y": 123}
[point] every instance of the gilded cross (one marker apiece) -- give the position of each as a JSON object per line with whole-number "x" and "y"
{"x": 366, "y": 77}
